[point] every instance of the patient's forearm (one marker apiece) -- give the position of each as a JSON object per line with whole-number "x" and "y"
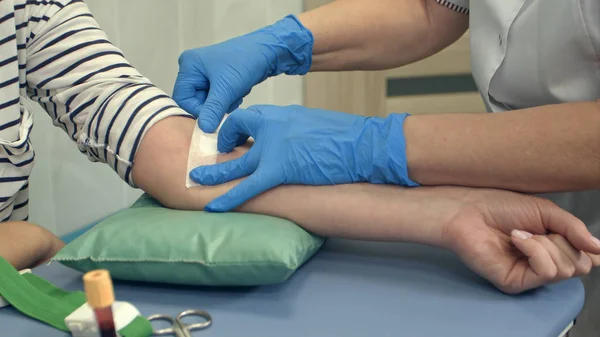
{"x": 362, "y": 211}
{"x": 375, "y": 212}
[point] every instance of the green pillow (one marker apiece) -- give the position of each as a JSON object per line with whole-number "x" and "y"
{"x": 148, "y": 242}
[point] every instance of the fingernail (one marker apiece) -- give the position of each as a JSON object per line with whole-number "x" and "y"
{"x": 596, "y": 241}
{"x": 521, "y": 234}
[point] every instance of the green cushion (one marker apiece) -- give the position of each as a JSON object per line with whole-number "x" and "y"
{"x": 148, "y": 242}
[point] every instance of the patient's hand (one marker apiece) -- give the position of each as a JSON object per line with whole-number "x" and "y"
{"x": 561, "y": 246}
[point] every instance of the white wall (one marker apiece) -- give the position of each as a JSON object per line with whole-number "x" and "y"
{"x": 67, "y": 191}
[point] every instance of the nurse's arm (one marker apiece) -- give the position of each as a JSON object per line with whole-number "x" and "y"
{"x": 475, "y": 224}
{"x": 383, "y": 34}
{"x": 160, "y": 169}
{"x": 549, "y": 148}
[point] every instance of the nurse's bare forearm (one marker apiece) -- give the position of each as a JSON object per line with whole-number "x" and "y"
{"x": 368, "y": 35}
{"x": 543, "y": 149}
{"x": 357, "y": 211}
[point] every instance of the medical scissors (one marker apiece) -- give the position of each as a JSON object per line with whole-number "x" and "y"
{"x": 178, "y": 328}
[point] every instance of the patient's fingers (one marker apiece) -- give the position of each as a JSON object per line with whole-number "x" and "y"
{"x": 542, "y": 267}
{"x": 221, "y": 173}
{"x": 581, "y": 261}
{"x": 595, "y": 259}
{"x": 574, "y": 230}
{"x": 565, "y": 266}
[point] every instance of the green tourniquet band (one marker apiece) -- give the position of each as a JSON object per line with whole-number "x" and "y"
{"x": 32, "y": 301}
{"x": 75, "y": 298}
{"x": 39, "y": 299}
{"x": 139, "y": 327}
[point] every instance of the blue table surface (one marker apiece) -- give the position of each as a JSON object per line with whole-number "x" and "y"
{"x": 349, "y": 289}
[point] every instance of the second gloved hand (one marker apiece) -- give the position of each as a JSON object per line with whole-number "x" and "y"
{"x": 297, "y": 145}
{"x": 213, "y": 80}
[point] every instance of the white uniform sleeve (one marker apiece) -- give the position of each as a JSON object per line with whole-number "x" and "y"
{"x": 461, "y": 6}
{"x": 87, "y": 86}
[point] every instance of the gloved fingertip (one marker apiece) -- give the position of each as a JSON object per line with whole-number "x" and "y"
{"x": 194, "y": 113}
{"x": 212, "y": 112}
{"x": 207, "y": 124}
{"x": 203, "y": 175}
{"x": 189, "y": 106}
{"x": 235, "y": 106}
{"x": 226, "y": 148}
{"x": 215, "y": 207}
{"x": 241, "y": 141}
{"x": 195, "y": 176}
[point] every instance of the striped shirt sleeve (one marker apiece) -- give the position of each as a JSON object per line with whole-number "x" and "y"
{"x": 460, "y": 6}
{"x": 87, "y": 86}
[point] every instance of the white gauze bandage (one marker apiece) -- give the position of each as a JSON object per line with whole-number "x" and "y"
{"x": 203, "y": 151}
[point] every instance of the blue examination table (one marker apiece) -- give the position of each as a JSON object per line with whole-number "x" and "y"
{"x": 348, "y": 289}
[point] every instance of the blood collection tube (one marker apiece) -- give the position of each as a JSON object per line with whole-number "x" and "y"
{"x": 100, "y": 296}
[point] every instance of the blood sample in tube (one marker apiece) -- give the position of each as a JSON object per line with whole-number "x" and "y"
{"x": 100, "y": 296}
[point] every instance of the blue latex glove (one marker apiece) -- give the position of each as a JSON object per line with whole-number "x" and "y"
{"x": 297, "y": 145}
{"x": 213, "y": 80}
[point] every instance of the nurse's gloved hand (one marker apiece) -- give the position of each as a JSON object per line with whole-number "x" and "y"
{"x": 213, "y": 80}
{"x": 297, "y": 145}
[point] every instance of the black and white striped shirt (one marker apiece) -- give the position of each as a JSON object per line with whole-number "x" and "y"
{"x": 54, "y": 53}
